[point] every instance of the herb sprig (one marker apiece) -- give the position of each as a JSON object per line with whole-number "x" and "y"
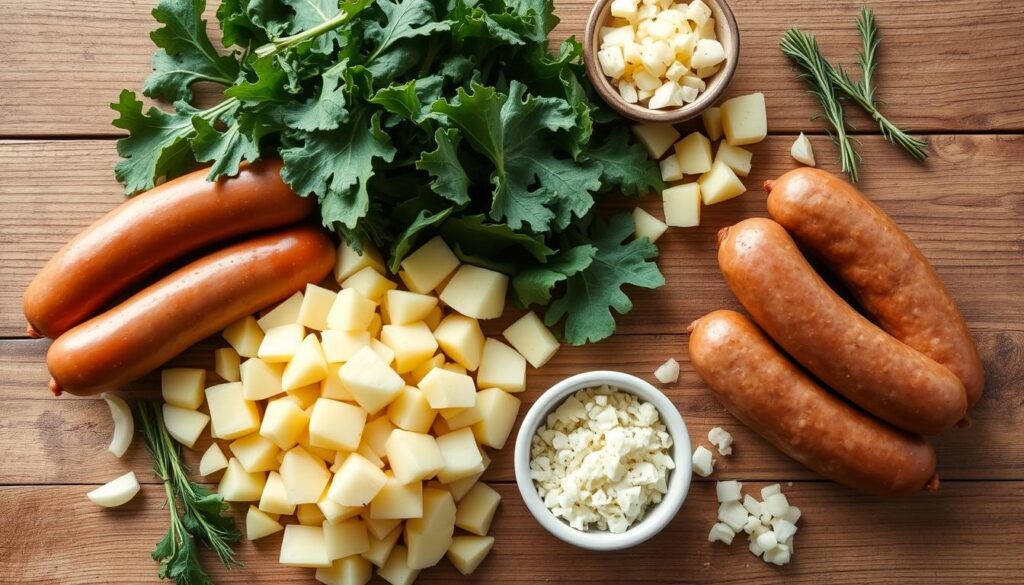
{"x": 203, "y": 511}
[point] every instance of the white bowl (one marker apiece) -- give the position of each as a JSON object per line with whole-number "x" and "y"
{"x": 657, "y": 516}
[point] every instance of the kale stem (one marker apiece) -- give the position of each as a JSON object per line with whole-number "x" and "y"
{"x": 284, "y": 43}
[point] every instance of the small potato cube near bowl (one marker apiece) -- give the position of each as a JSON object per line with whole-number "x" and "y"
{"x": 664, "y": 62}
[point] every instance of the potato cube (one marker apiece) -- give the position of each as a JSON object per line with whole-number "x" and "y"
{"x": 184, "y": 424}
{"x": 423, "y": 369}
{"x": 309, "y": 515}
{"x": 694, "y": 154}
{"x": 304, "y": 546}
{"x": 327, "y": 455}
{"x": 336, "y": 425}
{"x": 406, "y": 307}
{"x": 306, "y": 396}
{"x": 744, "y": 120}
{"x": 467, "y": 552}
{"x": 238, "y": 485}
{"x": 501, "y": 367}
{"x": 712, "y": 118}
{"x": 377, "y": 433}
{"x": 183, "y": 387}
{"x": 380, "y": 548}
{"x": 374, "y": 327}
{"x": 612, "y": 63}
{"x": 346, "y": 538}
{"x": 463, "y": 418}
{"x": 736, "y": 158}
{"x": 280, "y": 343}
{"x": 245, "y": 336}
{"x": 370, "y": 380}
{"x": 340, "y": 346}
{"x": 670, "y": 169}
{"x": 285, "y": 313}
{"x": 334, "y": 512}
{"x": 397, "y": 571}
{"x": 332, "y": 387}
{"x": 413, "y": 456}
{"x": 357, "y": 482}
{"x": 624, "y": 9}
{"x": 477, "y": 508}
{"x": 315, "y": 307}
{"x": 413, "y": 344}
{"x": 670, "y": 94}
{"x": 532, "y": 339}
{"x": 476, "y": 292}
{"x": 212, "y": 461}
{"x": 255, "y": 453}
{"x": 429, "y": 536}
{"x": 387, "y": 355}
{"x": 411, "y": 411}
{"x": 370, "y": 283}
{"x": 446, "y": 389}
{"x": 682, "y": 205}
{"x": 646, "y": 82}
{"x": 304, "y": 476}
{"x": 226, "y": 364}
{"x": 707, "y": 53}
{"x": 260, "y": 380}
{"x": 461, "y": 338}
{"x": 274, "y": 499}
{"x": 231, "y": 414}
{"x": 618, "y": 36}
{"x": 627, "y": 91}
{"x": 353, "y": 570}
{"x": 349, "y": 261}
{"x": 499, "y": 410}
{"x": 307, "y": 367}
{"x": 351, "y": 311}
{"x": 646, "y": 225}
{"x": 258, "y": 524}
{"x": 380, "y": 528}
{"x": 397, "y": 501}
{"x": 429, "y": 265}
{"x": 461, "y": 487}
{"x": 719, "y": 184}
{"x": 460, "y": 454}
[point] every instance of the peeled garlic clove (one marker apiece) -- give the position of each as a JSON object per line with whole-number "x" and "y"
{"x": 124, "y": 424}
{"x": 802, "y": 151}
{"x": 116, "y": 492}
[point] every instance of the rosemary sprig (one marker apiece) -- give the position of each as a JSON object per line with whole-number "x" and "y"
{"x": 803, "y": 49}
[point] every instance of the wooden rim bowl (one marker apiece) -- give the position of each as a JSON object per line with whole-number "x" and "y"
{"x": 728, "y": 34}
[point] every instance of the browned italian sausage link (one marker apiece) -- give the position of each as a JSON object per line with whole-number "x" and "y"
{"x": 197, "y": 301}
{"x": 880, "y": 265}
{"x": 769, "y": 394}
{"x": 796, "y": 308}
{"x": 150, "y": 231}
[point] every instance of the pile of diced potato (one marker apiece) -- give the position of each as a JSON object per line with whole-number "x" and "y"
{"x": 357, "y": 412}
{"x": 739, "y": 121}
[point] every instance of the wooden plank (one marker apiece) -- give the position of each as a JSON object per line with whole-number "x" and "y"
{"x": 46, "y": 440}
{"x": 956, "y": 536}
{"x": 944, "y": 65}
{"x": 960, "y": 208}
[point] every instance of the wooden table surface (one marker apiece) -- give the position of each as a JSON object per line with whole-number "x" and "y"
{"x": 951, "y": 71}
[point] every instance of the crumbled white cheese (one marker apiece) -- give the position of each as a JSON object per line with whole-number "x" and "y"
{"x": 703, "y": 464}
{"x": 601, "y": 459}
{"x": 728, "y": 491}
{"x": 668, "y": 372}
{"x": 733, "y": 514}
{"x": 721, "y": 533}
{"x": 721, "y": 439}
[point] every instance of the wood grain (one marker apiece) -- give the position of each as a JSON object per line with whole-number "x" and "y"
{"x": 945, "y": 65}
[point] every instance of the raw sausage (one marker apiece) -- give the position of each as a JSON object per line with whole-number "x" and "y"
{"x": 881, "y": 266}
{"x": 150, "y": 231}
{"x": 769, "y": 394}
{"x": 199, "y": 300}
{"x": 797, "y": 309}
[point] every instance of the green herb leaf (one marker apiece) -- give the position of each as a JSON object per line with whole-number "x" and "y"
{"x": 534, "y": 285}
{"x": 328, "y": 109}
{"x": 247, "y": 23}
{"x": 450, "y": 179}
{"x": 591, "y": 294}
{"x": 156, "y": 145}
{"x": 411, "y": 235}
{"x": 311, "y": 13}
{"x": 270, "y": 83}
{"x": 625, "y": 166}
{"x": 475, "y": 233}
{"x": 228, "y": 148}
{"x": 404, "y": 19}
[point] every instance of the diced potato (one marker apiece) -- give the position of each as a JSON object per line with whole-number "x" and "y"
{"x": 346, "y": 538}
{"x": 802, "y": 151}
{"x": 624, "y": 9}
{"x": 720, "y": 184}
{"x": 656, "y": 56}
{"x": 736, "y": 158}
{"x": 340, "y": 346}
{"x": 694, "y": 154}
{"x": 286, "y": 312}
{"x": 413, "y": 456}
{"x": 349, "y": 261}
{"x": 612, "y": 63}
{"x": 698, "y": 12}
{"x": 370, "y": 283}
{"x": 327, "y": 455}
{"x": 406, "y": 307}
{"x": 260, "y": 380}
{"x": 429, "y": 265}
{"x": 184, "y": 424}
{"x": 460, "y": 488}
{"x": 396, "y": 571}
{"x": 306, "y": 396}
{"x": 274, "y": 499}
{"x": 397, "y": 500}
{"x": 446, "y": 389}
{"x": 618, "y": 36}
{"x": 226, "y": 364}
{"x": 309, "y": 515}
{"x": 646, "y": 81}
{"x": 231, "y": 414}
{"x": 258, "y": 524}
{"x": 627, "y": 91}
{"x": 315, "y": 307}
{"x": 670, "y": 94}
{"x": 376, "y": 434}
{"x": 670, "y": 169}
{"x": 682, "y": 205}
{"x": 477, "y": 508}
{"x": 357, "y": 482}
{"x": 744, "y": 120}
{"x": 380, "y": 528}
{"x": 705, "y": 72}
{"x": 683, "y": 45}
{"x": 245, "y": 336}
{"x": 707, "y": 30}
{"x": 707, "y": 53}
{"x": 429, "y": 536}
{"x": 255, "y": 453}
{"x": 423, "y": 369}
{"x": 467, "y": 552}
{"x": 413, "y": 344}
{"x": 656, "y": 138}
{"x": 387, "y": 355}
{"x": 280, "y": 343}
{"x": 380, "y": 548}
{"x": 370, "y": 380}
{"x": 694, "y": 82}
{"x": 461, "y": 338}
{"x": 212, "y": 461}
{"x": 531, "y": 338}
{"x": 351, "y": 311}
{"x": 238, "y": 485}
{"x": 353, "y": 570}
{"x": 712, "y": 118}
{"x": 463, "y": 418}
{"x": 336, "y": 425}
{"x": 183, "y": 387}
{"x": 501, "y": 367}
{"x": 460, "y": 454}
{"x": 304, "y": 546}
{"x": 374, "y": 327}
{"x": 304, "y": 476}
{"x": 334, "y": 512}
{"x": 499, "y": 410}
{"x": 646, "y": 225}
{"x": 476, "y": 292}
{"x": 332, "y": 387}
{"x": 307, "y": 367}
{"x": 411, "y": 411}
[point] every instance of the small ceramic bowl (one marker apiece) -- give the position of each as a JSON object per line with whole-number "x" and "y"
{"x": 728, "y": 34}
{"x": 658, "y": 515}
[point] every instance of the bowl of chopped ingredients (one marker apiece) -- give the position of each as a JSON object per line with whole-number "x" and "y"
{"x": 602, "y": 460}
